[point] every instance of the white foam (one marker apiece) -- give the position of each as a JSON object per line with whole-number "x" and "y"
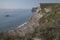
{"x": 22, "y": 24}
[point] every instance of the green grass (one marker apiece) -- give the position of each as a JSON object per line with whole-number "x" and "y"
{"x": 44, "y": 5}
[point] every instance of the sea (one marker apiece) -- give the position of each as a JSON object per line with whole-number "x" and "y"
{"x": 10, "y": 19}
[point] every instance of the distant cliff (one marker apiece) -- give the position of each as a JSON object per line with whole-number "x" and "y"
{"x": 43, "y": 25}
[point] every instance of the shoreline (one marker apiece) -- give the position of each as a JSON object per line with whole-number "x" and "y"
{"x": 22, "y": 24}
{"x": 25, "y": 23}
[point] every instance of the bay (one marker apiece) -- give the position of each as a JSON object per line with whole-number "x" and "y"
{"x": 15, "y": 18}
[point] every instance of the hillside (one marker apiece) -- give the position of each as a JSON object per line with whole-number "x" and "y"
{"x": 43, "y": 25}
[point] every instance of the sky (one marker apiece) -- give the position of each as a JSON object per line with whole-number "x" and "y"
{"x": 23, "y": 4}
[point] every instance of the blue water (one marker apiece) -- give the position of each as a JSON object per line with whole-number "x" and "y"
{"x": 16, "y": 18}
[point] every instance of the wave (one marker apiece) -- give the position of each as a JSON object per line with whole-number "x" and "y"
{"x": 22, "y": 24}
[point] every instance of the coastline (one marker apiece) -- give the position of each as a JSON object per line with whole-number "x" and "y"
{"x": 27, "y": 27}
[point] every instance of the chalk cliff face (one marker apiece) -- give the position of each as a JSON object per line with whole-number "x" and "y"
{"x": 30, "y": 26}
{"x": 43, "y": 25}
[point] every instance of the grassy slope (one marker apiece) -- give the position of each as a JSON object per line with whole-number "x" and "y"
{"x": 50, "y": 24}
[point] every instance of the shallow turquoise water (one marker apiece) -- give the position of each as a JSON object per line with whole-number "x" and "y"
{"x": 16, "y": 18}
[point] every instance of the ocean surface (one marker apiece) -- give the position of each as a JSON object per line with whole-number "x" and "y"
{"x": 12, "y": 18}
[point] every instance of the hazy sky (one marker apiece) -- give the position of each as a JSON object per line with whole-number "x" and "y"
{"x": 22, "y": 4}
